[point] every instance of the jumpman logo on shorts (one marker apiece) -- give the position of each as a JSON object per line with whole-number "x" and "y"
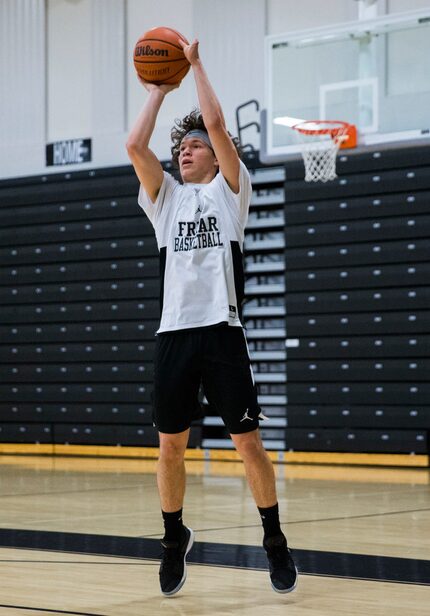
{"x": 246, "y": 416}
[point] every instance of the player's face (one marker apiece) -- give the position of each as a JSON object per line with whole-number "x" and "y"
{"x": 197, "y": 162}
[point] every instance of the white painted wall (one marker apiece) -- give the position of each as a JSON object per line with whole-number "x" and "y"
{"x": 290, "y": 15}
{"x": 397, "y": 6}
{"x": 66, "y": 67}
{"x": 22, "y": 86}
{"x": 232, "y": 35}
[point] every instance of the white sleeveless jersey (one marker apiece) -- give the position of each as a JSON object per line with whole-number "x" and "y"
{"x": 200, "y": 233}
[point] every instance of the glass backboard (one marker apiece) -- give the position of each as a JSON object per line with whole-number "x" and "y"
{"x": 372, "y": 73}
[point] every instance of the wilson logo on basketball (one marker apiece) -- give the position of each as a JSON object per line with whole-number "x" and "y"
{"x": 149, "y": 51}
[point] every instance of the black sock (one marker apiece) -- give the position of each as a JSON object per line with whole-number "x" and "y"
{"x": 172, "y": 525}
{"x": 270, "y": 520}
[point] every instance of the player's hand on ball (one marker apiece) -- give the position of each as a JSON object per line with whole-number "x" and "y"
{"x": 165, "y": 88}
{"x": 191, "y": 52}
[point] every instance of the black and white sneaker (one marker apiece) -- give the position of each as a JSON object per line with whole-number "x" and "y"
{"x": 283, "y": 572}
{"x": 173, "y": 569}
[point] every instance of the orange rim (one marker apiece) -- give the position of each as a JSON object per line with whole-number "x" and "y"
{"x": 328, "y": 127}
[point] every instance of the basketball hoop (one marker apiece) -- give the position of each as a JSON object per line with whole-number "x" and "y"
{"x": 320, "y": 141}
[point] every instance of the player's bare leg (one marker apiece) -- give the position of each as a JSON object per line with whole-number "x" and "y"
{"x": 258, "y": 467}
{"x": 171, "y": 470}
{"x": 178, "y": 539}
{"x": 261, "y": 479}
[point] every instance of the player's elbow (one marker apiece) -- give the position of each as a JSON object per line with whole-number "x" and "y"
{"x": 135, "y": 150}
{"x": 132, "y": 146}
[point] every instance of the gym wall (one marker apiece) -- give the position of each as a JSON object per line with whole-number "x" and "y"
{"x": 66, "y": 69}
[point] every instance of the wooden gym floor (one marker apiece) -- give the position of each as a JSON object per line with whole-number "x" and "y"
{"x": 80, "y": 536}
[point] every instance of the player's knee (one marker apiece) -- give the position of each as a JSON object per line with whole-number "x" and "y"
{"x": 172, "y": 448}
{"x": 249, "y": 444}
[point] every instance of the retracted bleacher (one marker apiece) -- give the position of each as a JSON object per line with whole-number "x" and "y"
{"x": 357, "y": 304}
{"x": 337, "y": 308}
{"x": 79, "y": 309}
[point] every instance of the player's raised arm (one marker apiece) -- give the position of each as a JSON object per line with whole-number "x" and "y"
{"x": 146, "y": 164}
{"x": 213, "y": 118}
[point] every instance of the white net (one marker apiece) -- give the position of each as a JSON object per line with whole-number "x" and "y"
{"x": 319, "y": 153}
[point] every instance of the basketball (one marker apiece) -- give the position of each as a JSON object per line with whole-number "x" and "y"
{"x": 158, "y": 56}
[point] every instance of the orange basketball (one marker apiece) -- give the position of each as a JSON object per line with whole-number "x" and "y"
{"x": 158, "y": 56}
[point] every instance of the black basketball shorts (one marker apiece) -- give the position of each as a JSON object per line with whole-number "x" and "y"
{"x": 218, "y": 358}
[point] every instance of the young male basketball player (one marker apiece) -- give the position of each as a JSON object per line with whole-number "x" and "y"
{"x": 199, "y": 227}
